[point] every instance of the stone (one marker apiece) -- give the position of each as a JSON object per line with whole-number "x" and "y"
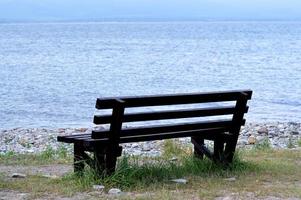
{"x": 263, "y": 130}
{"x": 230, "y": 179}
{"x": 180, "y": 180}
{"x": 251, "y": 140}
{"x": 81, "y": 129}
{"x": 98, "y": 187}
{"x": 114, "y": 191}
{"x": 280, "y": 126}
{"x": 242, "y": 141}
{"x": 50, "y": 176}
{"x": 273, "y": 133}
{"x": 61, "y": 130}
{"x": 260, "y": 139}
{"x": 294, "y": 133}
{"x": 173, "y": 159}
{"x": 18, "y": 175}
{"x": 146, "y": 147}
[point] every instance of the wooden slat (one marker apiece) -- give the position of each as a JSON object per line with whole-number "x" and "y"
{"x": 133, "y": 131}
{"x": 213, "y": 133}
{"x": 169, "y": 114}
{"x": 70, "y": 138}
{"x": 166, "y": 128}
{"x": 172, "y": 99}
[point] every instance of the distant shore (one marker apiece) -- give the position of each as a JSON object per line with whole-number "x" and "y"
{"x": 280, "y": 135}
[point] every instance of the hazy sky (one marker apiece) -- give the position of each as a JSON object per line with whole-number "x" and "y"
{"x": 150, "y": 9}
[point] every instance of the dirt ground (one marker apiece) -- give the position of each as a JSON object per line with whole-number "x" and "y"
{"x": 58, "y": 170}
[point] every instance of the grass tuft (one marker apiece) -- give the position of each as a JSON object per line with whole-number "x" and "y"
{"x": 48, "y": 156}
{"x": 290, "y": 143}
{"x": 265, "y": 145}
{"x": 133, "y": 172}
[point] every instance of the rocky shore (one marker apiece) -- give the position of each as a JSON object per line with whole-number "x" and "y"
{"x": 35, "y": 140}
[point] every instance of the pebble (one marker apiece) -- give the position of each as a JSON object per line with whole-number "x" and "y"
{"x": 263, "y": 130}
{"x": 98, "y": 187}
{"x": 114, "y": 191}
{"x": 294, "y": 133}
{"x": 173, "y": 159}
{"x": 180, "y": 180}
{"x": 50, "y": 176}
{"x": 18, "y": 175}
{"x": 260, "y": 139}
{"x": 36, "y": 140}
{"x": 230, "y": 179}
{"x": 252, "y": 139}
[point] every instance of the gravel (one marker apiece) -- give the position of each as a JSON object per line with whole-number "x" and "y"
{"x": 279, "y": 135}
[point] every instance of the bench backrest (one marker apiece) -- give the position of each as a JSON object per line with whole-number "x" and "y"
{"x": 119, "y": 116}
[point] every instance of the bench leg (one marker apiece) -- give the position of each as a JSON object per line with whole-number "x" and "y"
{"x": 218, "y": 150}
{"x": 110, "y": 163}
{"x": 197, "y": 151}
{"x": 79, "y": 164}
{"x": 230, "y": 150}
{"x": 111, "y": 159}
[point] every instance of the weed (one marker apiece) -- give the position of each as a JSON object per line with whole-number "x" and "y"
{"x": 172, "y": 147}
{"x": 265, "y": 145}
{"x": 290, "y": 143}
{"x": 8, "y": 154}
{"x": 62, "y": 152}
{"x": 48, "y": 153}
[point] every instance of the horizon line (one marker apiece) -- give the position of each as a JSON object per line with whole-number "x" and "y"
{"x": 112, "y": 20}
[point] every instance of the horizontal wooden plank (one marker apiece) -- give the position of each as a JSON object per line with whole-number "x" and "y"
{"x": 129, "y": 132}
{"x": 171, "y": 99}
{"x": 82, "y": 137}
{"x": 213, "y": 133}
{"x": 169, "y": 114}
{"x": 166, "y": 128}
{"x": 70, "y": 138}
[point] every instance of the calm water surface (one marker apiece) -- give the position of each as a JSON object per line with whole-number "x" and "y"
{"x": 51, "y": 73}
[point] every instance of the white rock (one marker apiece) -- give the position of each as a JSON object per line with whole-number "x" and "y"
{"x": 30, "y": 151}
{"x": 98, "y": 187}
{"x": 230, "y": 179}
{"x": 18, "y": 175}
{"x": 180, "y": 180}
{"x": 261, "y": 139}
{"x": 263, "y": 130}
{"x": 114, "y": 191}
{"x": 173, "y": 159}
{"x": 146, "y": 147}
{"x": 50, "y": 176}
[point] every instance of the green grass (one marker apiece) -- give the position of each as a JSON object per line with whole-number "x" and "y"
{"x": 132, "y": 174}
{"x": 299, "y": 142}
{"x": 290, "y": 143}
{"x": 49, "y": 156}
{"x": 265, "y": 145}
{"x": 262, "y": 171}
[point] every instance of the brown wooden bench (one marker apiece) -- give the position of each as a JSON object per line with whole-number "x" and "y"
{"x": 105, "y": 144}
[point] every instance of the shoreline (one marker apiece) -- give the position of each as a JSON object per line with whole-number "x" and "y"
{"x": 279, "y": 135}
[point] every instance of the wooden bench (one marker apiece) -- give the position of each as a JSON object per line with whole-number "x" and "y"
{"x": 105, "y": 147}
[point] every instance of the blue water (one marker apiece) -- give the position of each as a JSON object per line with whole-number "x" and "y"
{"x": 52, "y": 73}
